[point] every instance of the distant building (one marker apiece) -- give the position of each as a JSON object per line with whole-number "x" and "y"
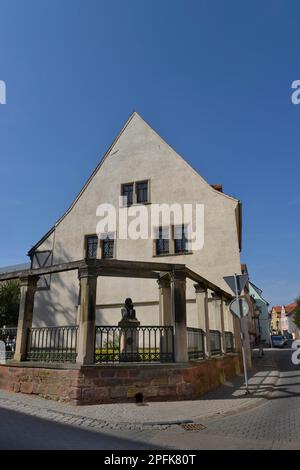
{"x": 282, "y": 319}
{"x": 261, "y": 306}
{"x": 258, "y": 316}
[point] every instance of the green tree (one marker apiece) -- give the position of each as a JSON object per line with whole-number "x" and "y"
{"x": 297, "y": 312}
{"x": 9, "y": 303}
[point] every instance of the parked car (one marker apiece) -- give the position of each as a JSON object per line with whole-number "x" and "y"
{"x": 287, "y": 335}
{"x": 279, "y": 341}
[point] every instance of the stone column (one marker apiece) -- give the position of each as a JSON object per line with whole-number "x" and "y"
{"x": 178, "y": 290}
{"x": 28, "y": 288}
{"x": 223, "y": 339}
{"x": 87, "y": 315}
{"x": 165, "y": 302}
{"x": 165, "y": 318}
{"x": 220, "y": 319}
{"x": 203, "y": 314}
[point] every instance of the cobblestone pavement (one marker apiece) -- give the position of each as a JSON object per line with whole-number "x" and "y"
{"x": 273, "y": 424}
{"x": 268, "y": 418}
{"x": 226, "y": 399}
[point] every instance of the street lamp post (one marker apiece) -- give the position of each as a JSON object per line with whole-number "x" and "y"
{"x": 257, "y": 313}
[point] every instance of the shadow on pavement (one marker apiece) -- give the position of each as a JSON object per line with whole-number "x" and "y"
{"x": 19, "y": 431}
{"x": 267, "y": 379}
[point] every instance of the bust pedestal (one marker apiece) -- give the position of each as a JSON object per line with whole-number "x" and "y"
{"x": 129, "y": 340}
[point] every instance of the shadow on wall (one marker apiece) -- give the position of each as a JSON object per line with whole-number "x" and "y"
{"x": 58, "y": 305}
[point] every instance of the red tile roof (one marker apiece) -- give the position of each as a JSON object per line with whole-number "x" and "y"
{"x": 290, "y": 308}
{"x": 277, "y": 308}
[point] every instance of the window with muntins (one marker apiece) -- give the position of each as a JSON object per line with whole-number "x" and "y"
{"x": 91, "y": 246}
{"x": 142, "y": 192}
{"x": 180, "y": 239}
{"x": 127, "y": 192}
{"x": 162, "y": 241}
{"x": 107, "y": 248}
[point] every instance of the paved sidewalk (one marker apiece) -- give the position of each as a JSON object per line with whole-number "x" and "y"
{"x": 228, "y": 399}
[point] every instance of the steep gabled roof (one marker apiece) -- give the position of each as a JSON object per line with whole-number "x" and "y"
{"x": 259, "y": 292}
{"x": 290, "y": 308}
{"x": 277, "y": 308}
{"x": 107, "y": 153}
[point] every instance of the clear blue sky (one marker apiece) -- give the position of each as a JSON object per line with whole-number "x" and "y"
{"x": 212, "y": 77}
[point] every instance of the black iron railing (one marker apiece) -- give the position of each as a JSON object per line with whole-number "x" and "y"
{"x": 144, "y": 343}
{"x": 52, "y": 344}
{"x": 229, "y": 341}
{"x": 215, "y": 342}
{"x": 195, "y": 343}
{"x": 9, "y": 336}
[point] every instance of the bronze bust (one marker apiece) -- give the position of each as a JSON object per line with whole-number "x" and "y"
{"x": 128, "y": 311}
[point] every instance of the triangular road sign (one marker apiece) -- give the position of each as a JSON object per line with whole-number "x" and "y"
{"x": 241, "y": 281}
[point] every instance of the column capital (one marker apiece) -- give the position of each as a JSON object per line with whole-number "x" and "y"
{"x": 216, "y": 296}
{"x": 163, "y": 282}
{"x": 177, "y": 276}
{"x": 87, "y": 271}
{"x": 29, "y": 281}
{"x": 200, "y": 288}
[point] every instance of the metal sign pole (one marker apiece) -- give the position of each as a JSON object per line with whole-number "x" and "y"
{"x": 241, "y": 333}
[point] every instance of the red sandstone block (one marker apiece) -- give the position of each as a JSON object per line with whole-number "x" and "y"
{"x": 134, "y": 372}
{"x": 26, "y": 387}
{"x": 118, "y": 381}
{"x": 99, "y": 382}
{"x": 122, "y": 373}
{"x": 76, "y": 381}
{"x": 163, "y": 380}
{"x": 184, "y": 390}
{"x": 88, "y": 394}
{"x": 175, "y": 379}
{"x": 149, "y": 392}
{"x": 74, "y": 393}
{"x": 35, "y": 388}
{"x": 108, "y": 373}
{"x": 16, "y": 387}
{"x": 90, "y": 373}
{"x": 101, "y": 393}
{"x": 118, "y": 392}
{"x": 167, "y": 391}
{"x": 132, "y": 390}
{"x": 151, "y": 373}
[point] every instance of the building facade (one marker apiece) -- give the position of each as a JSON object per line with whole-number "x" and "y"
{"x": 261, "y": 313}
{"x": 139, "y": 170}
{"x": 282, "y": 320}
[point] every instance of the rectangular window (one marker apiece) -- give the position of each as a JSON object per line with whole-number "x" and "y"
{"x": 142, "y": 192}
{"x": 127, "y": 192}
{"x": 162, "y": 241}
{"x": 91, "y": 246}
{"x": 180, "y": 239}
{"x": 107, "y": 245}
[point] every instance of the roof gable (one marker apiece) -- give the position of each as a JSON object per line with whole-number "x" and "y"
{"x": 110, "y": 152}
